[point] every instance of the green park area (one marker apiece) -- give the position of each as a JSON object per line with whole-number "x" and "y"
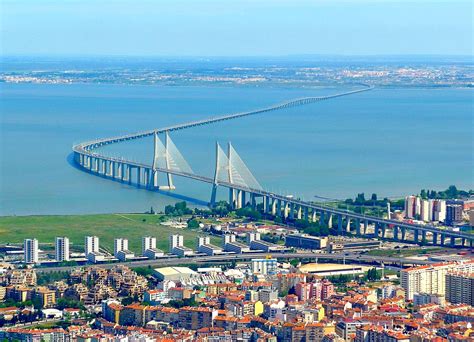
{"x": 13, "y": 229}
{"x": 406, "y": 252}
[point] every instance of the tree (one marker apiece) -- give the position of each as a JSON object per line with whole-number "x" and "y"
{"x": 374, "y": 197}
{"x": 423, "y": 194}
{"x": 193, "y": 223}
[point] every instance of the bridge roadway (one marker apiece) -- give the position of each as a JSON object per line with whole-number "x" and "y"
{"x": 356, "y": 257}
{"x": 86, "y": 147}
{"x": 85, "y": 156}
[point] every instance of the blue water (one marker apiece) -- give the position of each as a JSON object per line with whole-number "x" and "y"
{"x": 389, "y": 141}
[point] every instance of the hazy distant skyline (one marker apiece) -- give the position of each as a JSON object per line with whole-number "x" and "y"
{"x": 236, "y": 28}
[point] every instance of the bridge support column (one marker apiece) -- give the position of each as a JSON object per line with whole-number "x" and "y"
{"x": 322, "y": 217}
{"x": 139, "y": 176}
{"x": 286, "y": 210}
{"x": 339, "y": 224}
{"x": 147, "y": 177}
{"x": 232, "y": 198}
{"x": 274, "y": 207}
{"x": 376, "y": 229}
{"x": 299, "y": 213}
{"x": 306, "y": 213}
{"x": 357, "y": 223}
{"x": 348, "y": 225}
{"x": 442, "y": 239}
{"x": 404, "y": 233}
{"x": 314, "y": 216}
{"x": 292, "y": 211}
{"x": 330, "y": 221}
{"x": 452, "y": 241}
{"x": 435, "y": 238}
{"x": 240, "y": 199}
{"x": 129, "y": 174}
{"x": 423, "y": 237}
{"x": 366, "y": 226}
{"x": 103, "y": 166}
{"x": 253, "y": 202}
{"x": 114, "y": 172}
{"x": 416, "y": 235}
{"x": 395, "y": 233}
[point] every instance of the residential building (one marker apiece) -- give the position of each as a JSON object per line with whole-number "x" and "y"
{"x": 62, "y": 248}
{"x": 453, "y": 214}
{"x": 30, "y": 253}
{"x": 91, "y": 245}
{"x": 430, "y": 279}
{"x": 264, "y": 266}
{"x": 460, "y": 287}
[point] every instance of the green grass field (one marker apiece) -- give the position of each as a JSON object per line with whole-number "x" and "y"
{"x": 405, "y": 252}
{"x": 13, "y": 229}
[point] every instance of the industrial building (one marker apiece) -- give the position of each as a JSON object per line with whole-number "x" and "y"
{"x": 204, "y": 246}
{"x": 253, "y": 239}
{"x": 175, "y": 273}
{"x": 231, "y": 245}
{"x": 176, "y": 246}
{"x": 305, "y": 241}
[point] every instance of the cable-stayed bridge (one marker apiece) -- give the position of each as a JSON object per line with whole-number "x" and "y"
{"x": 232, "y": 173}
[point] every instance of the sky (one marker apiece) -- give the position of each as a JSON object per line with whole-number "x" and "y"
{"x": 235, "y": 27}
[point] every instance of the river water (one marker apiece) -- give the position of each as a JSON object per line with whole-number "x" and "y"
{"x": 389, "y": 141}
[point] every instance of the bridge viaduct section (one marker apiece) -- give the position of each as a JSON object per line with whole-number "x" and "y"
{"x": 344, "y": 222}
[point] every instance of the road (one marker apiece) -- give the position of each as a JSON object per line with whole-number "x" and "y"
{"x": 242, "y": 257}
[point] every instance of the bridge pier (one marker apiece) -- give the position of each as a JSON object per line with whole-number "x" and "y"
{"x": 442, "y": 239}
{"x": 395, "y": 233}
{"x": 129, "y": 174}
{"x": 366, "y": 226}
{"x": 376, "y": 229}
{"x": 357, "y": 223}
{"x": 253, "y": 202}
{"x": 306, "y": 213}
{"x": 404, "y": 234}
{"x": 415, "y": 235}
{"x": 435, "y": 239}
{"x": 274, "y": 207}
{"x": 286, "y": 210}
{"x": 314, "y": 216}
{"x": 339, "y": 224}
{"x": 348, "y": 225}
{"x": 452, "y": 241}
{"x": 423, "y": 237}
{"x": 299, "y": 213}
{"x": 139, "y": 176}
{"x": 292, "y": 211}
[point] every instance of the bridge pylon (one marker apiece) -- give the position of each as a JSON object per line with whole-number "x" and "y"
{"x": 231, "y": 169}
{"x": 166, "y": 157}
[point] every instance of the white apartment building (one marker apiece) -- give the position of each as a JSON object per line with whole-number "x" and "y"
{"x": 460, "y": 287}
{"x": 176, "y": 240}
{"x": 148, "y": 242}
{"x": 432, "y": 210}
{"x": 264, "y": 266}
{"x": 431, "y": 279}
{"x": 120, "y": 244}
{"x": 91, "y": 245}
{"x": 62, "y": 248}
{"x": 30, "y": 247}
